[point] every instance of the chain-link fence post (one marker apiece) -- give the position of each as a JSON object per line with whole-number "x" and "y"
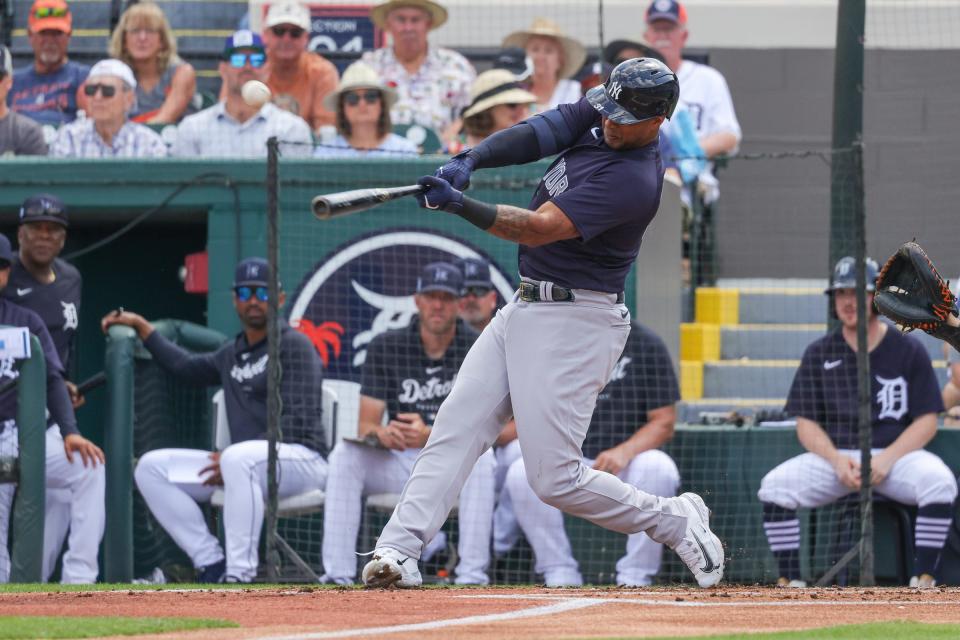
{"x": 274, "y": 407}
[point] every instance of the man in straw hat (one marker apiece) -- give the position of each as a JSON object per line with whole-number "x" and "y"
{"x": 433, "y": 83}
{"x": 556, "y": 58}
{"x": 547, "y": 354}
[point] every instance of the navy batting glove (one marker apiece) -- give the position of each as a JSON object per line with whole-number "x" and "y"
{"x": 457, "y": 171}
{"x": 439, "y": 195}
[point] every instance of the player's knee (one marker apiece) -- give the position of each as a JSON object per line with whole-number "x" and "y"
{"x": 516, "y": 480}
{"x": 552, "y": 484}
{"x": 655, "y": 472}
{"x": 937, "y": 486}
{"x": 151, "y": 465}
{"x": 240, "y": 458}
{"x": 774, "y": 491}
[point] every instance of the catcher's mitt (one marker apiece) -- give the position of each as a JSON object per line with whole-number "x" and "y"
{"x": 912, "y": 294}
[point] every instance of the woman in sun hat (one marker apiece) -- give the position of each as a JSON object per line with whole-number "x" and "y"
{"x": 556, "y": 58}
{"x": 362, "y": 106}
{"x": 497, "y": 101}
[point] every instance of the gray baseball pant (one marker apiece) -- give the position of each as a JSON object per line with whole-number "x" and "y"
{"x": 544, "y": 363}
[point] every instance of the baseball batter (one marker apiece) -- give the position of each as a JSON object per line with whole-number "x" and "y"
{"x": 73, "y": 463}
{"x": 407, "y": 374}
{"x": 634, "y": 417}
{"x": 906, "y": 400}
{"x": 548, "y": 353}
{"x": 173, "y": 481}
{"x": 50, "y": 287}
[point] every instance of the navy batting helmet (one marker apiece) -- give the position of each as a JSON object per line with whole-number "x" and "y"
{"x": 845, "y": 274}
{"x": 637, "y": 89}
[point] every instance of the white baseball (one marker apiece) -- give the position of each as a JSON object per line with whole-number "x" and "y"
{"x": 255, "y": 93}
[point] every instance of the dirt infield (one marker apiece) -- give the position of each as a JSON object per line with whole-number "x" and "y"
{"x": 530, "y": 614}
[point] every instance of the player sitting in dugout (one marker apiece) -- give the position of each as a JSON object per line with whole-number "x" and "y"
{"x": 905, "y": 403}
{"x": 173, "y": 481}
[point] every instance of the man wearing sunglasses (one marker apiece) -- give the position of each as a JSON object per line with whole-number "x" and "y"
{"x": 19, "y": 135}
{"x": 240, "y": 367}
{"x": 107, "y": 131}
{"x": 232, "y": 128}
{"x": 49, "y": 90}
{"x": 73, "y": 463}
{"x": 292, "y": 70}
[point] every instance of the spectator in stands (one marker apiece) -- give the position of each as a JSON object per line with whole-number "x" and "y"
{"x": 407, "y": 374}
{"x": 49, "y": 90}
{"x": 107, "y": 132}
{"x": 240, "y": 367}
{"x": 496, "y": 102}
{"x": 232, "y": 128}
{"x": 72, "y": 463}
{"x": 620, "y": 50}
{"x": 433, "y": 83}
{"x": 362, "y": 104}
{"x": 297, "y": 77}
{"x": 19, "y": 135}
{"x": 904, "y": 403}
{"x": 556, "y": 58}
{"x": 704, "y": 114}
{"x": 634, "y": 417}
{"x": 165, "y": 84}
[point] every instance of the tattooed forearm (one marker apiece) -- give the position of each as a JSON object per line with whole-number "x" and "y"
{"x": 512, "y": 223}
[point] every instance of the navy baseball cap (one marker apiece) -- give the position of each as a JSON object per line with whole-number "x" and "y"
{"x": 440, "y": 276}
{"x": 242, "y": 39}
{"x": 6, "y": 252}
{"x": 476, "y": 272}
{"x": 667, "y": 10}
{"x": 44, "y": 207}
{"x": 252, "y": 272}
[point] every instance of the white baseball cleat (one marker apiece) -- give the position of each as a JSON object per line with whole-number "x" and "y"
{"x": 700, "y": 549}
{"x": 388, "y": 567}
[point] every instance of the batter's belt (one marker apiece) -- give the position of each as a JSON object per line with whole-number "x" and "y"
{"x": 534, "y": 291}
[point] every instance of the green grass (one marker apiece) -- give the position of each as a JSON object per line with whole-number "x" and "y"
{"x": 93, "y": 627}
{"x": 894, "y": 630}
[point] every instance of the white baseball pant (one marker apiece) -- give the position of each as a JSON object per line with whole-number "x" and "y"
{"x": 506, "y": 529}
{"x": 543, "y": 363}
{"x": 651, "y": 471}
{"x": 85, "y": 487}
{"x": 357, "y": 470}
{"x": 244, "y": 470}
{"x": 807, "y": 481}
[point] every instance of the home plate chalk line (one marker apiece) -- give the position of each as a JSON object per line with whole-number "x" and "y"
{"x": 562, "y": 604}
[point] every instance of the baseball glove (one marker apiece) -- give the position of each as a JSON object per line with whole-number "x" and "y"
{"x": 912, "y": 294}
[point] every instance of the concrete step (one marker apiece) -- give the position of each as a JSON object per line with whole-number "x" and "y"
{"x": 782, "y": 306}
{"x": 767, "y": 341}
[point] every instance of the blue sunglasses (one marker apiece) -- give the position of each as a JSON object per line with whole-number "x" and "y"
{"x": 245, "y": 293}
{"x": 239, "y": 60}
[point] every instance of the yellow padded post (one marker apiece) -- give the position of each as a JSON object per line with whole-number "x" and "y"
{"x": 699, "y": 341}
{"x": 691, "y": 380}
{"x": 718, "y": 306}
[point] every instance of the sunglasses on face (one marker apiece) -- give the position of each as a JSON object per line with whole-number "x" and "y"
{"x": 51, "y": 12}
{"x": 478, "y": 292}
{"x": 280, "y": 31}
{"x": 245, "y": 293}
{"x": 107, "y": 90}
{"x": 352, "y": 98}
{"x": 239, "y": 60}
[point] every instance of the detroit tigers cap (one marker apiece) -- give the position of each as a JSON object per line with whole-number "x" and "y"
{"x": 476, "y": 272}
{"x": 440, "y": 276}
{"x": 845, "y": 274}
{"x": 242, "y": 39}
{"x": 252, "y": 272}
{"x": 44, "y": 207}
{"x": 6, "y": 252}
{"x": 667, "y": 10}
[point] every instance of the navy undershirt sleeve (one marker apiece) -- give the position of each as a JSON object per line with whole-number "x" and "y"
{"x": 300, "y": 387}
{"x": 197, "y": 368}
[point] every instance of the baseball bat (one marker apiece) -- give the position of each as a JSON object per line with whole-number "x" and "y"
{"x": 89, "y": 384}
{"x": 347, "y": 202}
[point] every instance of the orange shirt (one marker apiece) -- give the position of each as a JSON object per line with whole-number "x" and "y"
{"x": 314, "y": 78}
